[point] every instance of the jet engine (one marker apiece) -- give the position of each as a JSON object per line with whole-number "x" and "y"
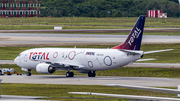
{"x": 45, "y": 68}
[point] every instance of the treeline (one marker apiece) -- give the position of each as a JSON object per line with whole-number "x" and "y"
{"x": 107, "y": 8}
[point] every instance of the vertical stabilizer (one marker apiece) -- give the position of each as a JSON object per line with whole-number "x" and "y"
{"x": 133, "y": 42}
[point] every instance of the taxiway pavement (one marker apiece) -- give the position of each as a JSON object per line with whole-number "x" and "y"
{"x": 14, "y": 39}
{"x": 84, "y": 80}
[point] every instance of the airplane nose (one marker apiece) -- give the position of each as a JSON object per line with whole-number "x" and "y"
{"x": 16, "y": 60}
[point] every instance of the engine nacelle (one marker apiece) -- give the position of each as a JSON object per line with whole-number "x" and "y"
{"x": 45, "y": 68}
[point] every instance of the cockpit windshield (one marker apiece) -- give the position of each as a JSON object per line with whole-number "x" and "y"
{"x": 19, "y": 55}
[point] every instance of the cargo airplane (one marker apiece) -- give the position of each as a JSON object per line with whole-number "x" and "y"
{"x": 48, "y": 60}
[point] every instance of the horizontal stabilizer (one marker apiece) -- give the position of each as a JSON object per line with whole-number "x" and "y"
{"x": 149, "y": 52}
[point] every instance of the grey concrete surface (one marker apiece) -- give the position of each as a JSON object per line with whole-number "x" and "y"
{"x": 7, "y": 62}
{"x": 84, "y": 80}
{"x": 75, "y": 39}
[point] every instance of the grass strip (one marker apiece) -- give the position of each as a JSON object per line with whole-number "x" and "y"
{"x": 91, "y": 21}
{"x": 70, "y": 23}
{"x": 60, "y": 92}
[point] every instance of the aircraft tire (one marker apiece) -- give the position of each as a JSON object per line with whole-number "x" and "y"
{"x": 67, "y": 74}
{"x": 0, "y": 72}
{"x": 92, "y": 74}
{"x": 71, "y": 74}
{"x": 89, "y": 74}
{"x": 29, "y": 74}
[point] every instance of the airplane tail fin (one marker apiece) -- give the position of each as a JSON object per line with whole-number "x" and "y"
{"x": 133, "y": 42}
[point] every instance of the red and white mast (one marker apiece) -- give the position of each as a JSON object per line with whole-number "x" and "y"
{"x": 39, "y": 9}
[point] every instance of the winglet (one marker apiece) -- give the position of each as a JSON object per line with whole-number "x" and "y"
{"x": 133, "y": 42}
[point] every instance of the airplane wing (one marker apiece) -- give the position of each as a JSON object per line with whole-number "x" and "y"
{"x": 164, "y": 90}
{"x": 61, "y": 64}
{"x": 127, "y": 96}
{"x": 148, "y": 52}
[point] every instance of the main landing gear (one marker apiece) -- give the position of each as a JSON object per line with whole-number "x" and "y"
{"x": 92, "y": 74}
{"x": 29, "y": 72}
{"x": 69, "y": 74}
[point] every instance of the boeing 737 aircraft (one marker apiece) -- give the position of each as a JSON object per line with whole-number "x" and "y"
{"x": 48, "y": 60}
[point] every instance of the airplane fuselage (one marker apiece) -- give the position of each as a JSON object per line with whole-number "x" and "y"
{"x": 84, "y": 59}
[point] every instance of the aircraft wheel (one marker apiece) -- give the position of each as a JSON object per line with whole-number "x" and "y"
{"x": 91, "y": 74}
{"x": 71, "y": 74}
{"x": 29, "y": 74}
{"x": 94, "y": 74}
{"x": 67, "y": 74}
{"x": 0, "y": 72}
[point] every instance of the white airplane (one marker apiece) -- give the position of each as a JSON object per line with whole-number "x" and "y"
{"x": 48, "y": 60}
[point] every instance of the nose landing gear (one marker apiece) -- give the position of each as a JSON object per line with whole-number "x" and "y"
{"x": 29, "y": 72}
